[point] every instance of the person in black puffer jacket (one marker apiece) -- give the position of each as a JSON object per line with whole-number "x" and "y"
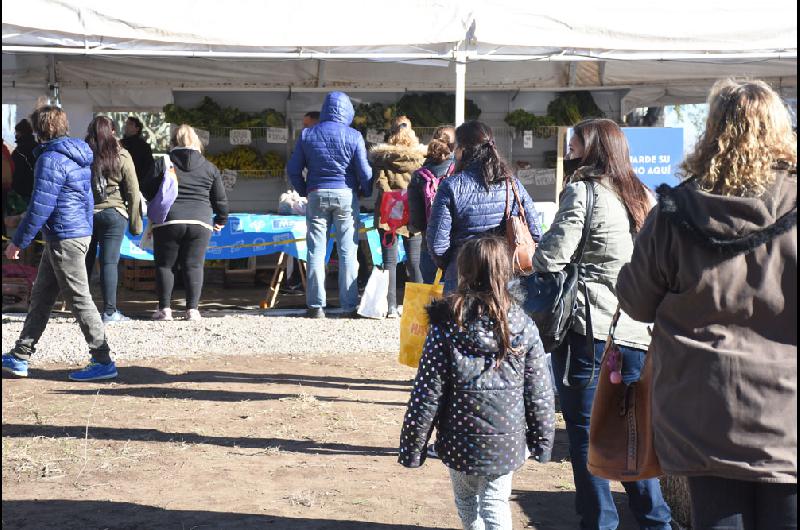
{"x": 185, "y": 233}
{"x": 483, "y": 382}
{"x": 24, "y": 160}
{"x": 439, "y": 163}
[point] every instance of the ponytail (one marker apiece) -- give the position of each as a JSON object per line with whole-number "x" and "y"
{"x": 479, "y": 148}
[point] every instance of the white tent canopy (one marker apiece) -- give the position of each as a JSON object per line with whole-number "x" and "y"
{"x": 137, "y": 53}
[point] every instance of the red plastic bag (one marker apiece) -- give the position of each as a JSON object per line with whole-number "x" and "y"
{"x": 394, "y": 213}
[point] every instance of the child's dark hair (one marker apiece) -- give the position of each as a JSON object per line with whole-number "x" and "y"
{"x": 477, "y": 141}
{"x": 484, "y": 270}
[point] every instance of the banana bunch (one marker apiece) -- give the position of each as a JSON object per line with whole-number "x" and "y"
{"x": 242, "y": 158}
{"x": 274, "y": 163}
{"x": 246, "y": 158}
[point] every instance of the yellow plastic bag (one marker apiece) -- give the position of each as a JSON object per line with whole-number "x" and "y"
{"x": 414, "y": 322}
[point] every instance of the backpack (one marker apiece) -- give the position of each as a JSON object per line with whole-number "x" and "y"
{"x": 394, "y": 212}
{"x": 431, "y": 186}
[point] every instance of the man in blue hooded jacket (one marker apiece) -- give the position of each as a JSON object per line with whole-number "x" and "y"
{"x": 338, "y": 173}
{"x": 61, "y": 206}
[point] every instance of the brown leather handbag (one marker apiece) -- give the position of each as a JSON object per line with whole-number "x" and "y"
{"x": 621, "y": 428}
{"x": 520, "y": 240}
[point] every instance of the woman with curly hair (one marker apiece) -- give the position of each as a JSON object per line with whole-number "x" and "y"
{"x": 715, "y": 268}
{"x": 393, "y": 165}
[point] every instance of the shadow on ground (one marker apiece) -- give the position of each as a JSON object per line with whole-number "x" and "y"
{"x": 74, "y": 515}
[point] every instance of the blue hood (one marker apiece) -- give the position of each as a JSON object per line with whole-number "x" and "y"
{"x": 337, "y": 108}
{"x": 76, "y": 150}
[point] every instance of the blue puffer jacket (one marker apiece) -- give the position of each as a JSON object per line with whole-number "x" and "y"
{"x": 463, "y": 209}
{"x": 333, "y": 152}
{"x": 61, "y": 205}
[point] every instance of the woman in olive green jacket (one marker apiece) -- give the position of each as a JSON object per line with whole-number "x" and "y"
{"x": 116, "y": 208}
{"x": 621, "y": 203}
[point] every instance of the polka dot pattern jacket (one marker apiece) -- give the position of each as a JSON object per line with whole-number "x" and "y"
{"x": 485, "y": 415}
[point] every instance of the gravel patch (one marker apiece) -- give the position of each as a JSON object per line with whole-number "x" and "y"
{"x": 217, "y": 334}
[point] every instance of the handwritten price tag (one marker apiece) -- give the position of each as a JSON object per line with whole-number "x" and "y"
{"x": 277, "y": 135}
{"x": 527, "y": 139}
{"x": 240, "y": 137}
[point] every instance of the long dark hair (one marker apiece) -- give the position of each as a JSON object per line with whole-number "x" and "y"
{"x": 606, "y": 155}
{"x": 484, "y": 270}
{"x": 105, "y": 146}
{"x": 477, "y": 141}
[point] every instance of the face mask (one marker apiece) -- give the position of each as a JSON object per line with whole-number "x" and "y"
{"x": 571, "y": 165}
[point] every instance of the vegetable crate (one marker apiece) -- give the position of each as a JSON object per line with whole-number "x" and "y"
{"x": 138, "y": 276}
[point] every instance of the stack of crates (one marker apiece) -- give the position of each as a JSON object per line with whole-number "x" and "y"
{"x": 139, "y": 275}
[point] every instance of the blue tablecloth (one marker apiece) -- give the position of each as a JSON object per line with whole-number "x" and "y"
{"x": 248, "y": 235}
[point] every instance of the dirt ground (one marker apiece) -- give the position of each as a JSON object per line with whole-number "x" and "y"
{"x": 241, "y": 442}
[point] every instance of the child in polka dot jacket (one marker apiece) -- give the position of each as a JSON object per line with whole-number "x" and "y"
{"x": 484, "y": 383}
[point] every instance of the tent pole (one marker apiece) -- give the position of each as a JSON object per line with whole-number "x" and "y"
{"x": 461, "y": 85}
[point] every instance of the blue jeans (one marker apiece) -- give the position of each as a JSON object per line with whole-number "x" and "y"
{"x": 728, "y": 504}
{"x": 482, "y": 502}
{"x": 109, "y": 229}
{"x": 593, "y": 501}
{"x": 426, "y": 265}
{"x": 340, "y": 208}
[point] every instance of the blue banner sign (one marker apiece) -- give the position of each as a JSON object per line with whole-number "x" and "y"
{"x": 656, "y": 154}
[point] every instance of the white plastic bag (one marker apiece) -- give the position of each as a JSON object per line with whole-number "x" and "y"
{"x": 373, "y": 301}
{"x": 291, "y": 203}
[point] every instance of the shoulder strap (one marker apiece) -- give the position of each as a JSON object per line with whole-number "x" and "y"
{"x": 519, "y": 201}
{"x": 587, "y": 222}
{"x": 507, "y": 215}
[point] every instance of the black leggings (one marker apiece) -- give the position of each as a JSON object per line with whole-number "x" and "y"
{"x": 185, "y": 244}
{"x": 412, "y": 246}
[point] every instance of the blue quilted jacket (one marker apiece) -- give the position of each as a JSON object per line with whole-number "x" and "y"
{"x": 333, "y": 152}
{"x": 463, "y": 209}
{"x": 61, "y": 205}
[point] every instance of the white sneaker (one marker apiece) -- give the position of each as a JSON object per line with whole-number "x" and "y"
{"x": 193, "y": 315}
{"x": 162, "y": 314}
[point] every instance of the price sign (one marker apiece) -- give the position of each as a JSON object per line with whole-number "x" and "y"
{"x": 374, "y": 137}
{"x": 527, "y": 139}
{"x": 277, "y": 135}
{"x": 203, "y": 135}
{"x": 240, "y": 137}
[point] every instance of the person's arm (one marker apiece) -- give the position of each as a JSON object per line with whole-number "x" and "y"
{"x": 47, "y": 186}
{"x": 152, "y": 182}
{"x": 644, "y": 282}
{"x": 129, "y": 187}
{"x": 531, "y": 215}
{"x": 557, "y": 246}
{"x": 219, "y": 198}
{"x": 297, "y": 162}
{"x": 539, "y": 400}
{"x": 417, "y": 221}
{"x": 440, "y": 224}
{"x": 362, "y": 167}
{"x": 425, "y": 402}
